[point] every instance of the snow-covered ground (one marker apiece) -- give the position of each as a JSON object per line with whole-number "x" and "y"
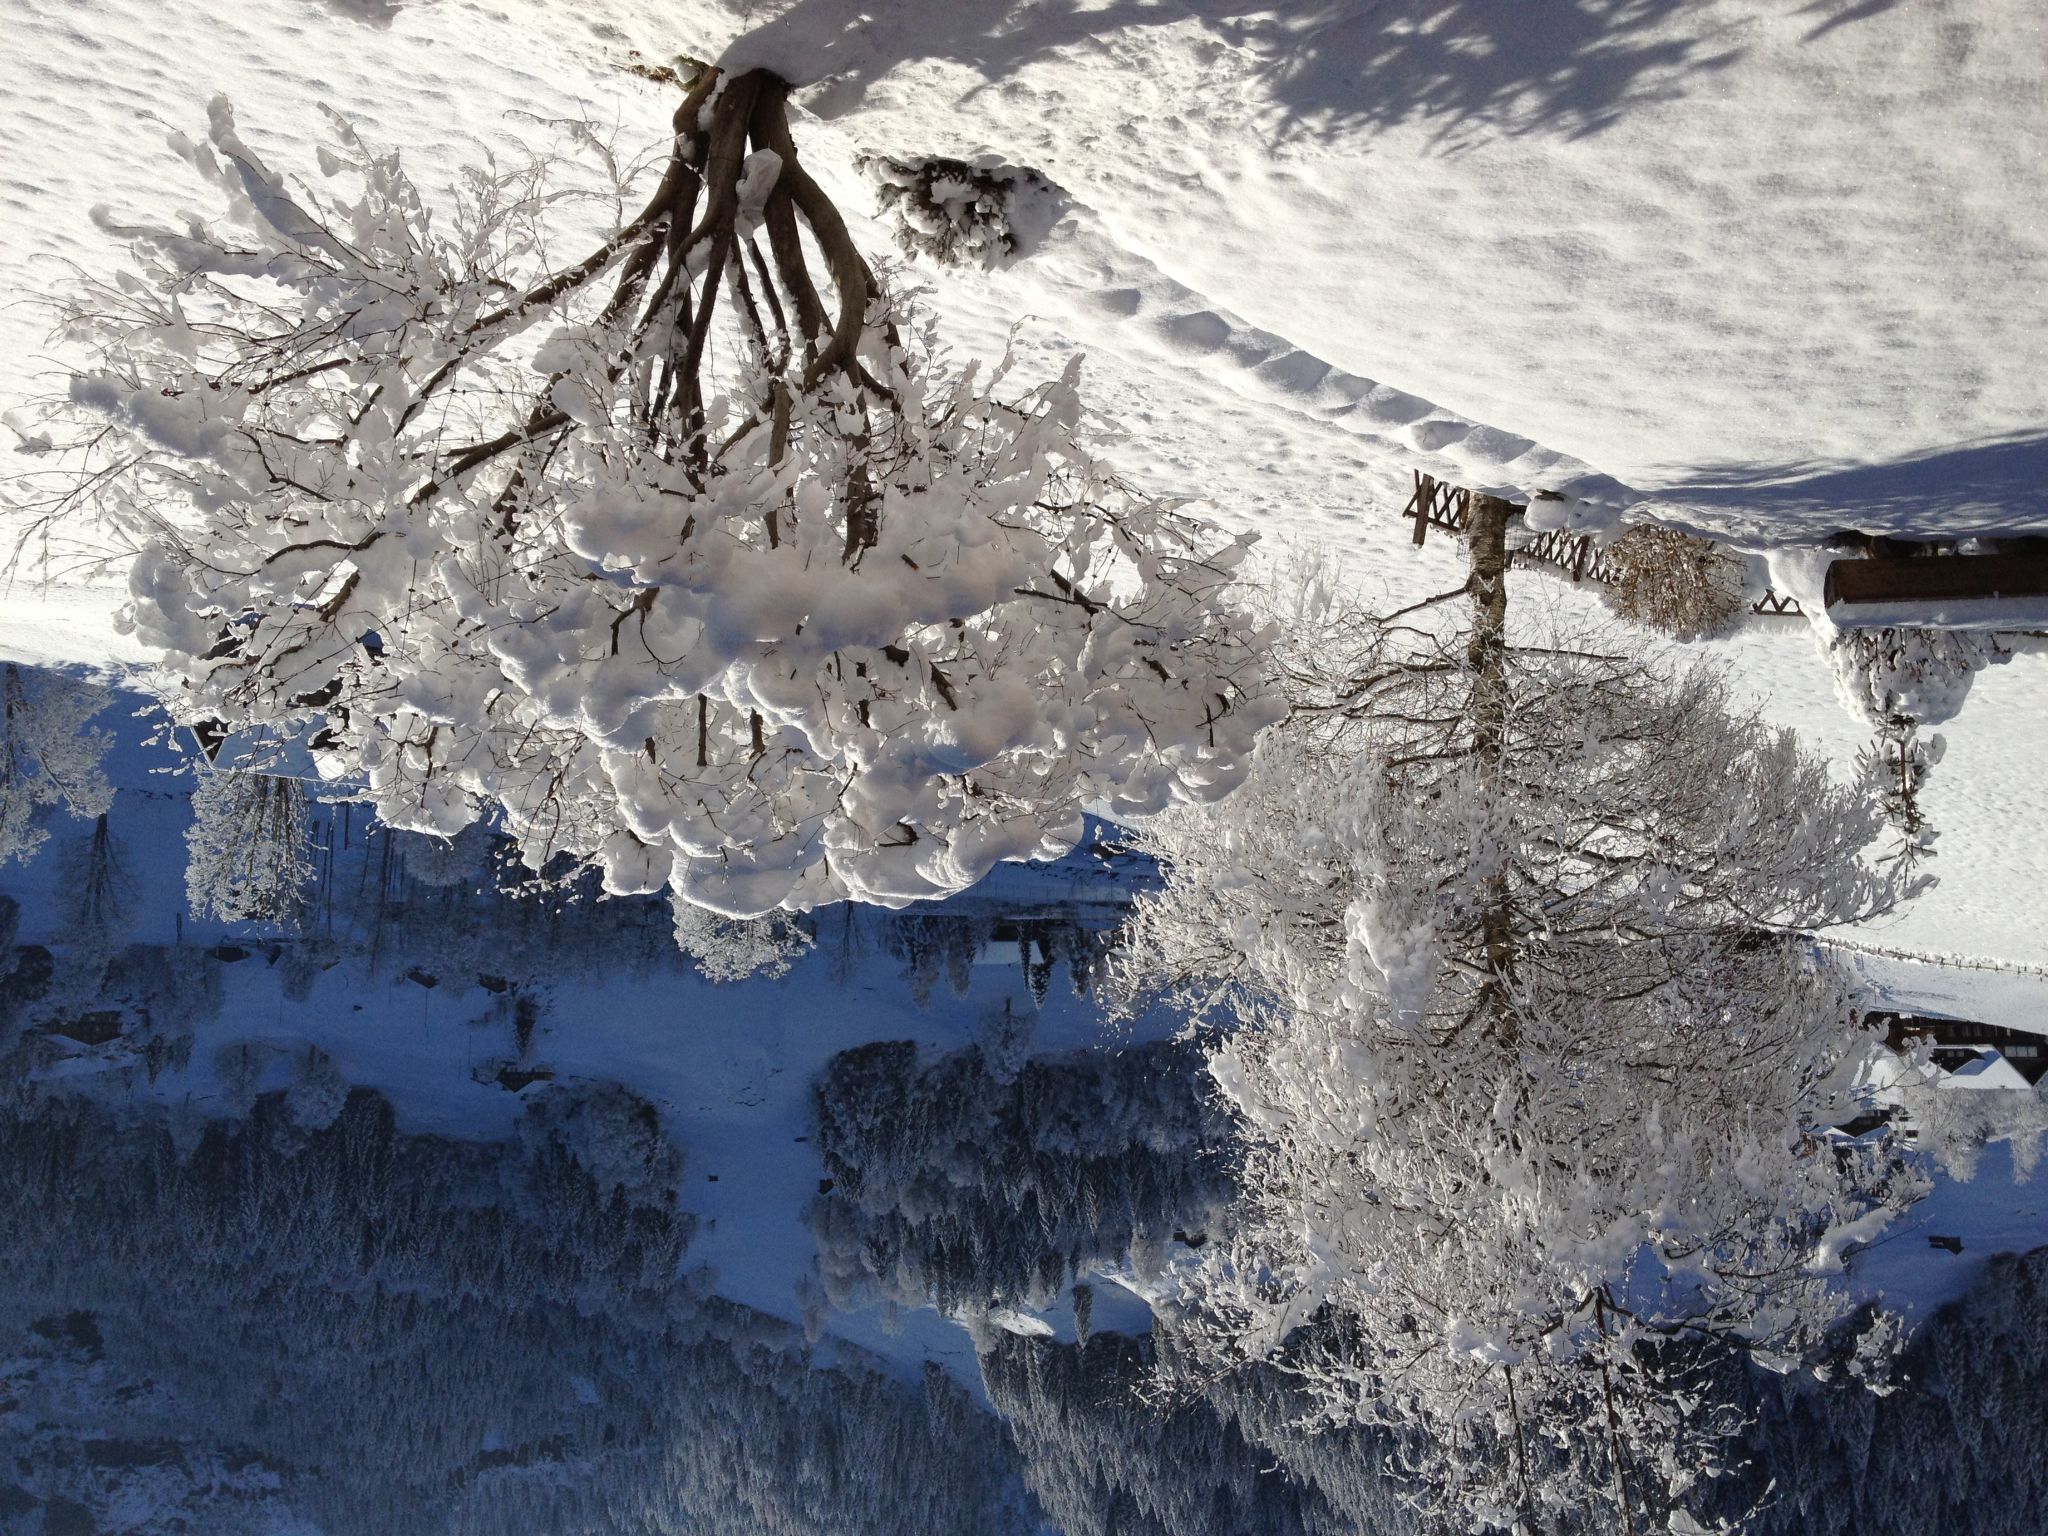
{"x": 1766, "y": 270}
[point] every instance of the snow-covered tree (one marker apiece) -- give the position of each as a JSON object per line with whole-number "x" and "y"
{"x": 48, "y": 757}
{"x": 735, "y": 948}
{"x": 1898, "y": 761}
{"x": 1531, "y": 1049}
{"x": 687, "y": 558}
{"x": 247, "y": 855}
{"x": 1900, "y": 681}
{"x": 99, "y": 885}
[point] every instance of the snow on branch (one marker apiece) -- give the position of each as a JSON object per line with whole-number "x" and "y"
{"x": 688, "y": 559}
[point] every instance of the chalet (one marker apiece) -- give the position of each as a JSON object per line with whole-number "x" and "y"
{"x": 1959, "y": 1044}
{"x": 1986, "y": 583}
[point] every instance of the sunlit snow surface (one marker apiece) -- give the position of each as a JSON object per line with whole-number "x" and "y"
{"x": 1765, "y": 270}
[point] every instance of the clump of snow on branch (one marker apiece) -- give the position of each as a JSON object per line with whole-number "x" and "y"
{"x": 954, "y": 212}
{"x": 765, "y": 603}
{"x": 48, "y": 755}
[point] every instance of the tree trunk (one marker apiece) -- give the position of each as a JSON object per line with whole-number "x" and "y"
{"x": 1486, "y": 654}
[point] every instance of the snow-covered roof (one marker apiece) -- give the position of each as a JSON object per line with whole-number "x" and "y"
{"x": 1988, "y": 1070}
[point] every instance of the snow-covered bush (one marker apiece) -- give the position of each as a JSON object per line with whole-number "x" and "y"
{"x": 954, "y": 212}
{"x": 1531, "y": 1050}
{"x": 47, "y": 755}
{"x": 1676, "y": 582}
{"x": 1921, "y": 675}
{"x": 247, "y": 852}
{"x": 688, "y": 559}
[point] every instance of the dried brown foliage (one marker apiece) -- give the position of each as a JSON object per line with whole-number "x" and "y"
{"x": 1686, "y": 586}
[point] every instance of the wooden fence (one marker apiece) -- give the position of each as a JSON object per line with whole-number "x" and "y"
{"x": 1439, "y": 504}
{"x": 1578, "y": 555}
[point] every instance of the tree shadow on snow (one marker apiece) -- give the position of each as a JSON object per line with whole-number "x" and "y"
{"x": 1470, "y": 68}
{"x": 1841, "y": 14}
{"x": 1326, "y": 68}
{"x": 1988, "y": 486}
{"x": 371, "y": 13}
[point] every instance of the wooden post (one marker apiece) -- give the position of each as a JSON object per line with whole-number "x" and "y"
{"x": 1425, "y": 489}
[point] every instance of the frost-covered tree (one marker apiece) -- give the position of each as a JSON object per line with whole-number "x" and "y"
{"x": 48, "y": 756}
{"x": 1531, "y": 1049}
{"x": 686, "y": 558}
{"x": 1899, "y": 681}
{"x": 247, "y": 853}
{"x": 735, "y": 948}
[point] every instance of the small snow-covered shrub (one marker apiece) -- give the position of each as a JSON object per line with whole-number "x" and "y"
{"x": 1685, "y": 586}
{"x": 954, "y": 212}
{"x": 1922, "y": 675}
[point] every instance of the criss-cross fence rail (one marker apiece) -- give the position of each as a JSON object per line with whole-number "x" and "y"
{"x": 1576, "y": 554}
{"x": 1439, "y": 504}
{"x": 1776, "y": 605}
